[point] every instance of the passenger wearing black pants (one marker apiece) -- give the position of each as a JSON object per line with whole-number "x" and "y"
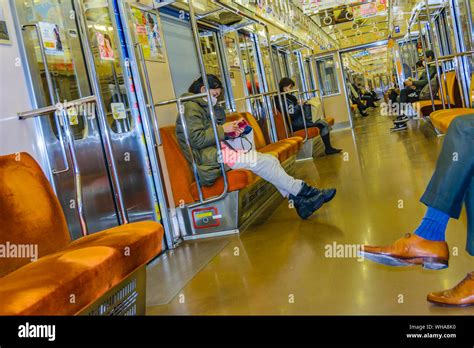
{"x": 296, "y": 116}
{"x": 451, "y": 185}
{"x": 411, "y": 92}
{"x": 367, "y": 97}
{"x": 355, "y": 99}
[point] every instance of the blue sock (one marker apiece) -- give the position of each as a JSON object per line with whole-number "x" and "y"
{"x": 433, "y": 225}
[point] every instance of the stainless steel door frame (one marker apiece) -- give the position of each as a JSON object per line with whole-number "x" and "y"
{"x": 126, "y": 148}
{"x": 117, "y": 189}
{"x": 99, "y": 206}
{"x": 150, "y": 124}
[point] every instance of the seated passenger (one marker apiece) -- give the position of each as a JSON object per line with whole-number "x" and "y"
{"x": 367, "y": 96}
{"x": 305, "y": 198}
{"x": 412, "y": 90}
{"x": 444, "y": 198}
{"x": 355, "y": 99}
{"x": 296, "y": 115}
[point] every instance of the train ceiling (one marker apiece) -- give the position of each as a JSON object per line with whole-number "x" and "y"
{"x": 356, "y": 22}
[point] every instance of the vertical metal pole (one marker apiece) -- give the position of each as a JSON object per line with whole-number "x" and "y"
{"x": 104, "y": 127}
{"x": 275, "y": 77}
{"x": 426, "y": 63}
{"x": 192, "y": 17}
{"x": 430, "y": 34}
{"x": 51, "y": 91}
{"x": 77, "y": 172}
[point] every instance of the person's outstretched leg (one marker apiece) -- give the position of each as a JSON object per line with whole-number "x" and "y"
{"x": 444, "y": 197}
{"x": 306, "y": 199}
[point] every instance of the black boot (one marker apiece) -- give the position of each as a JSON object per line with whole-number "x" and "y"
{"x": 327, "y": 144}
{"x": 309, "y": 191}
{"x": 306, "y": 206}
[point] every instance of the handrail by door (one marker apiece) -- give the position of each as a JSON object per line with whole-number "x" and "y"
{"x": 50, "y": 85}
{"x": 64, "y": 120}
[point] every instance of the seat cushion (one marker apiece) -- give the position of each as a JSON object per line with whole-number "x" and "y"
{"x": 237, "y": 179}
{"x": 425, "y": 107}
{"x": 441, "y": 119}
{"x": 282, "y": 148}
{"x": 68, "y": 281}
{"x": 297, "y": 143}
{"x": 313, "y": 132}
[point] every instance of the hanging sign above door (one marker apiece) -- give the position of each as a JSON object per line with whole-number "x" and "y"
{"x": 51, "y": 38}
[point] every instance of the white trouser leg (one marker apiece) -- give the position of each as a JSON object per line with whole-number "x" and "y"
{"x": 267, "y": 167}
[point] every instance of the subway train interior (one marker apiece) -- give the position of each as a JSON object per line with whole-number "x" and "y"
{"x": 236, "y": 157}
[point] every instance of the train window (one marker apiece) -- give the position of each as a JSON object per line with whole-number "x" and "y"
{"x": 184, "y": 65}
{"x": 109, "y": 70}
{"x": 327, "y": 75}
{"x": 267, "y": 65}
{"x": 234, "y": 66}
{"x": 212, "y": 46}
{"x": 299, "y": 76}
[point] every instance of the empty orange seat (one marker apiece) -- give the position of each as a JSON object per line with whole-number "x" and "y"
{"x": 313, "y": 132}
{"x": 450, "y": 91}
{"x": 283, "y": 150}
{"x": 86, "y": 268}
{"x": 441, "y": 119}
{"x": 237, "y": 179}
{"x": 281, "y": 132}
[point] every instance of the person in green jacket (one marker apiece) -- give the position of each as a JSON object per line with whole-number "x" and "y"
{"x": 305, "y": 198}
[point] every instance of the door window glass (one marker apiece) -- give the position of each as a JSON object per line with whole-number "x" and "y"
{"x": 327, "y": 76}
{"x": 107, "y": 61}
{"x": 64, "y": 58}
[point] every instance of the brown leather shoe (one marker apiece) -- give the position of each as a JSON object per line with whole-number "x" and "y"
{"x": 409, "y": 251}
{"x": 461, "y": 295}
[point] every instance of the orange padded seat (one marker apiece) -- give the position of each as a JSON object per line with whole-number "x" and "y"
{"x": 450, "y": 88}
{"x": 86, "y": 268}
{"x": 280, "y": 126}
{"x": 442, "y": 122}
{"x": 182, "y": 178}
{"x": 313, "y": 132}
{"x": 441, "y": 119}
{"x": 237, "y": 179}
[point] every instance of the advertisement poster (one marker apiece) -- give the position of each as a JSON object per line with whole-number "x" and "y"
{"x": 51, "y": 38}
{"x": 4, "y": 36}
{"x": 148, "y": 35}
{"x": 105, "y": 46}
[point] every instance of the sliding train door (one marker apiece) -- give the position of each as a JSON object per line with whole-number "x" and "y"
{"x": 73, "y": 50}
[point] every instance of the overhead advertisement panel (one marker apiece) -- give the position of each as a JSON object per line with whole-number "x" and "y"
{"x": 338, "y": 9}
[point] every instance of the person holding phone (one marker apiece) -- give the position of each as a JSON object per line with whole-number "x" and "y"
{"x": 305, "y": 198}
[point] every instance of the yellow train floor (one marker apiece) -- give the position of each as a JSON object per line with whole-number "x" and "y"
{"x": 282, "y": 265}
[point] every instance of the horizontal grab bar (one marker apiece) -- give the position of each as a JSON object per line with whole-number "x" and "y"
{"x": 52, "y": 108}
{"x": 181, "y": 99}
